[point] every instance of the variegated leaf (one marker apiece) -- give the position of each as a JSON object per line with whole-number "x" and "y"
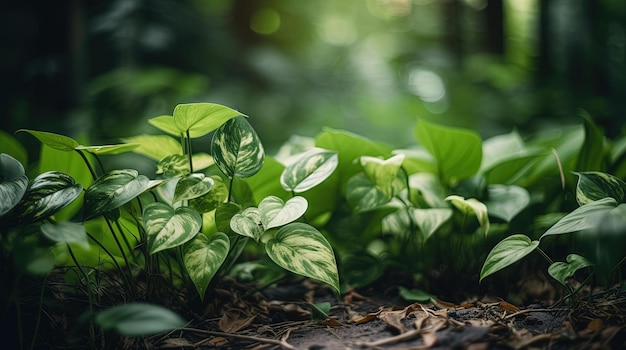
{"x": 112, "y": 190}
{"x": 211, "y": 200}
{"x": 48, "y": 193}
{"x": 506, "y": 253}
{"x": 200, "y": 119}
{"x": 561, "y": 271}
{"x": 13, "y": 182}
{"x": 65, "y": 232}
{"x": 248, "y": 223}
{"x": 56, "y": 141}
{"x": 109, "y": 149}
{"x": 474, "y": 207}
{"x": 309, "y": 170}
{"x": 275, "y": 212}
{"x": 203, "y": 257}
{"x": 168, "y": 228}
{"x": 192, "y": 186}
{"x": 301, "y": 249}
{"x": 237, "y": 149}
{"x": 582, "y": 218}
{"x": 595, "y": 185}
{"x": 174, "y": 165}
{"x": 382, "y": 172}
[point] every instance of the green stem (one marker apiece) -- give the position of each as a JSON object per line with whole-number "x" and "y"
{"x": 188, "y": 150}
{"x": 92, "y": 333}
{"x": 127, "y": 277}
{"x": 545, "y": 256}
{"x": 230, "y": 189}
{"x": 88, "y": 164}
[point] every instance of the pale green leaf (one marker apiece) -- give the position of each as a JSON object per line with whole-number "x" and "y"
{"x": 507, "y": 252}
{"x": 168, "y": 228}
{"x": 301, "y": 249}
{"x": 166, "y": 124}
{"x": 155, "y": 147}
{"x": 275, "y": 212}
{"x": 12, "y": 147}
{"x": 203, "y": 257}
{"x": 199, "y": 119}
{"x": 109, "y": 149}
{"x": 236, "y": 149}
{"x": 65, "y": 232}
{"x": 248, "y": 223}
{"x": 56, "y": 141}
{"x": 505, "y": 202}
{"x": 382, "y": 173}
{"x": 309, "y": 170}
{"x": 582, "y": 218}
{"x": 472, "y": 206}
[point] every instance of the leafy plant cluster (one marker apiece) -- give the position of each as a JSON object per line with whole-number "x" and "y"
{"x": 335, "y": 205}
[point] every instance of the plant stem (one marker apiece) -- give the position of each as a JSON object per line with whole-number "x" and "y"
{"x": 88, "y": 164}
{"x": 92, "y": 332}
{"x": 38, "y": 318}
{"x": 128, "y": 278}
{"x": 188, "y": 150}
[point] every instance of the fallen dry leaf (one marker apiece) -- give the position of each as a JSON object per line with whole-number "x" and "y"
{"x": 235, "y": 320}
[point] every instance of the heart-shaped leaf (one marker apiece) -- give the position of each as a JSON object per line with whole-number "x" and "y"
{"x": 430, "y": 220}
{"x": 48, "y": 193}
{"x": 13, "y": 182}
{"x": 192, "y": 186}
{"x": 248, "y": 223}
{"x": 211, "y": 200}
{"x": 199, "y": 119}
{"x": 203, "y": 257}
{"x": 301, "y": 249}
{"x": 595, "y": 185}
{"x": 458, "y": 151}
{"x": 582, "y": 218}
{"x": 237, "y": 149}
{"x": 166, "y": 124}
{"x": 112, "y": 190}
{"x": 309, "y": 170}
{"x": 382, "y": 172}
{"x": 174, "y": 165}
{"x": 65, "y": 232}
{"x": 275, "y": 212}
{"x": 168, "y": 228}
{"x": 56, "y": 141}
{"x": 474, "y": 207}
{"x": 362, "y": 194}
{"x": 155, "y": 147}
{"x": 138, "y": 319}
{"x": 507, "y": 252}
{"x": 505, "y": 202}
{"x": 561, "y": 271}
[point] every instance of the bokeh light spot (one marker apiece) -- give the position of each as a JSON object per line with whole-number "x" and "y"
{"x": 265, "y": 21}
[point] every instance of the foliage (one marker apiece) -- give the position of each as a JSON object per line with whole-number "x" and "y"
{"x": 344, "y": 206}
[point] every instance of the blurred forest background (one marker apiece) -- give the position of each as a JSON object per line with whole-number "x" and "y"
{"x": 101, "y": 68}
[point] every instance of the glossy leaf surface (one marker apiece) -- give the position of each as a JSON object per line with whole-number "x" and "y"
{"x": 168, "y": 228}
{"x": 507, "y": 252}
{"x": 248, "y": 223}
{"x": 13, "y": 182}
{"x": 192, "y": 186}
{"x": 595, "y": 185}
{"x": 582, "y": 218}
{"x": 200, "y": 119}
{"x": 302, "y": 249}
{"x": 237, "y": 149}
{"x": 309, "y": 170}
{"x": 203, "y": 257}
{"x": 48, "y": 193}
{"x": 275, "y": 212}
{"x": 561, "y": 271}
{"x": 112, "y": 190}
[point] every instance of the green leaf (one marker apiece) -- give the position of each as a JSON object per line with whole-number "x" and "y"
{"x": 303, "y": 250}
{"x": 65, "y": 232}
{"x": 430, "y": 220}
{"x": 360, "y": 270}
{"x": 224, "y": 214}
{"x": 166, "y": 124}
{"x": 56, "y": 141}
{"x": 200, "y": 119}
{"x": 138, "y": 319}
{"x": 47, "y": 194}
{"x": 507, "y": 252}
{"x": 168, "y": 228}
{"x": 561, "y": 271}
{"x": 175, "y": 165}
{"x": 594, "y": 185}
{"x": 500, "y": 148}
{"x": 248, "y": 223}
{"x": 210, "y": 201}
{"x": 474, "y": 207}
{"x": 415, "y": 295}
{"x": 203, "y": 257}
{"x": 192, "y": 186}
{"x": 429, "y": 188}
{"x": 109, "y": 149}
{"x": 275, "y": 212}
{"x": 201, "y": 161}
{"x": 582, "y": 218}
{"x": 237, "y": 149}
{"x": 458, "y": 151}
{"x": 112, "y": 190}
{"x": 309, "y": 170}
{"x": 382, "y": 173}
{"x": 13, "y": 182}
{"x": 363, "y": 195}
{"x": 320, "y": 311}
{"x": 505, "y": 202}
{"x": 593, "y": 152}
{"x": 155, "y": 147}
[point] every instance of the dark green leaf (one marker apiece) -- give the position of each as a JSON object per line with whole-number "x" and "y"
{"x": 138, "y": 319}
{"x": 594, "y": 185}
{"x": 65, "y": 232}
{"x": 112, "y": 190}
{"x": 13, "y": 182}
{"x": 47, "y": 194}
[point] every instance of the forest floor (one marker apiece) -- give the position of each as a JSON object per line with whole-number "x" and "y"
{"x": 283, "y": 318}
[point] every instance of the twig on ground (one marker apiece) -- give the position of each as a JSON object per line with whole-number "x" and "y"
{"x": 282, "y": 343}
